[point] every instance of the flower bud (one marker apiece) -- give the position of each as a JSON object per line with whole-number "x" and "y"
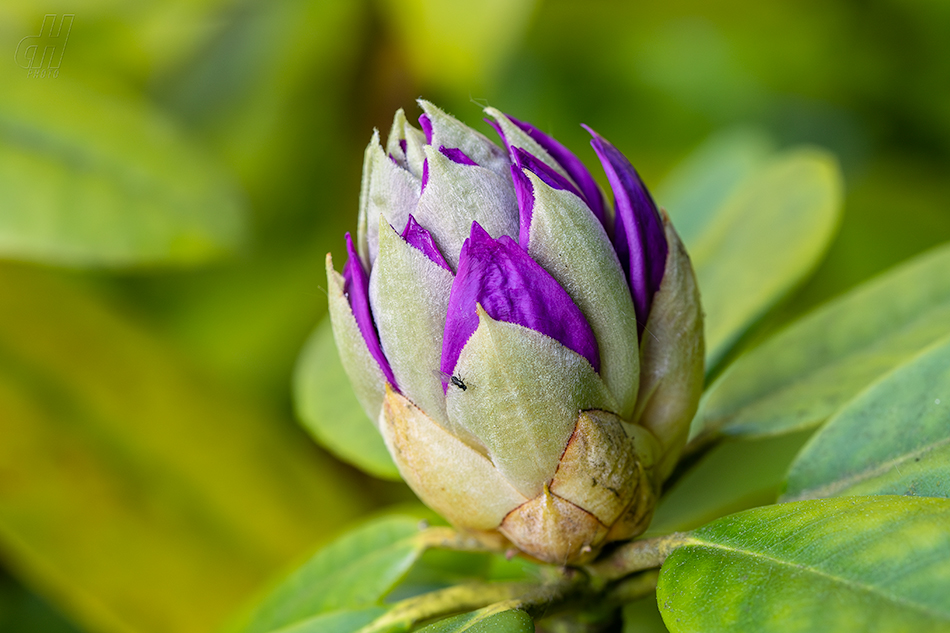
{"x": 532, "y": 356}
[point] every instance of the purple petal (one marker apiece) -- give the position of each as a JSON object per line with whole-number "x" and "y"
{"x": 544, "y": 171}
{"x": 524, "y": 192}
{"x": 510, "y": 287}
{"x": 403, "y": 146}
{"x": 456, "y": 155}
{"x": 418, "y": 237}
{"x": 500, "y": 132}
{"x": 639, "y": 238}
{"x": 356, "y": 288}
{"x": 425, "y": 173}
{"x": 572, "y": 165}
{"x": 426, "y": 124}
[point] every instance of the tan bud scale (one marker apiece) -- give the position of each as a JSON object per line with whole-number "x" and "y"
{"x": 602, "y": 489}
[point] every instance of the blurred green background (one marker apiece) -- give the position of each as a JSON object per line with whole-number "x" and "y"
{"x": 167, "y": 200}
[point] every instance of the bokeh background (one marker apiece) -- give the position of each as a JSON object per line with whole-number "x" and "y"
{"x": 167, "y": 200}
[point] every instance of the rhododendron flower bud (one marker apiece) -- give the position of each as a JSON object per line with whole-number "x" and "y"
{"x": 531, "y": 354}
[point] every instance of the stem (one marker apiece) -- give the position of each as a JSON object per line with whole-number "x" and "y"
{"x": 447, "y": 538}
{"x": 634, "y": 588}
{"x": 636, "y": 556}
{"x": 410, "y": 612}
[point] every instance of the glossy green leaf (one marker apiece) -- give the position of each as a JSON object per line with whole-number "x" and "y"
{"x": 697, "y": 187}
{"x": 764, "y": 239}
{"x": 894, "y": 438}
{"x": 88, "y": 179}
{"x": 803, "y": 374}
{"x": 329, "y": 410}
{"x": 354, "y": 571}
{"x": 849, "y": 564}
{"x": 488, "y": 620}
{"x": 134, "y": 488}
{"x": 735, "y": 475}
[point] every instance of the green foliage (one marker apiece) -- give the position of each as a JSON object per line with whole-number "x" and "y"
{"x": 735, "y": 475}
{"x": 328, "y": 409}
{"x": 356, "y": 570}
{"x": 91, "y": 179}
{"x": 151, "y": 478}
{"x": 851, "y": 564}
{"x": 894, "y": 438}
{"x": 762, "y": 239}
{"x": 485, "y": 621}
{"x": 802, "y": 375}
{"x": 119, "y": 456}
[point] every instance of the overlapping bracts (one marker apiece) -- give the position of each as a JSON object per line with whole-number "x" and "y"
{"x": 506, "y": 270}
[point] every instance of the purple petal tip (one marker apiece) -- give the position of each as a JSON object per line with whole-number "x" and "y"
{"x": 510, "y": 287}
{"x": 356, "y": 288}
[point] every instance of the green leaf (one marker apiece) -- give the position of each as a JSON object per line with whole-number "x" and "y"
{"x": 90, "y": 179}
{"x": 765, "y": 238}
{"x": 849, "y": 564}
{"x": 488, "y": 620}
{"x": 442, "y": 39}
{"x": 136, "y": 490}
{"x": 697, "y": 187}
{"x": 329, "y": 410}
{"x": 894, "y": 438}
{"x": 345, "y": 621}
{"x": 735, "y": 475}
{"x": 354, "y": 571}
{"x": 802, "y": 375}
{"x": 643, "y": 616}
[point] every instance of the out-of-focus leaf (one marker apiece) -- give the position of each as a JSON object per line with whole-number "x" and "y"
{"x": 697, "y": 187}
{"x": 735, "y": 475}
{"x": 764, "y": 239}
{"x": 643, "y": 616}
{"x": 93, "y": 180}
{"x": 345, "y": 621}
{"x": 132, "y": 487}
{"x": 328, "y": 408}
{"x": 849, "y": 564}
{"x": 894, "y": 438}
{"x": 354, "y": 571}
{"x": 805, "y": 373}
{"x": 22, "y": 610}
{"x": 488, "y": 620}
{"x": 456, "y": 45}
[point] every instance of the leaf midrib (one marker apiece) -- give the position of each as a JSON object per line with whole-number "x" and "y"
{"x": 833, "y": 488}
{"x": 870, "y": 589}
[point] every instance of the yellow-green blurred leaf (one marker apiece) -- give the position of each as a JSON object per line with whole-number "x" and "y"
{"x": 894, "y": 438}
{"x": 853, "y": 564}
{"x": 764, "y": 239}
{"x": 458, "y": 45}
{"x": 133, "y": 489}
{"x": 90, "y": 179}
{"x": 328, "y": 408}
{"x": 695, "y": 189}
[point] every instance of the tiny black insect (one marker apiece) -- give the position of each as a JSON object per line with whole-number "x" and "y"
{"x": 448, "y": 378}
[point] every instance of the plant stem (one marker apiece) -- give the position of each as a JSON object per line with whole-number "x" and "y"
{"x": 636, "y": 556}
{"x": 448, "y": 601}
